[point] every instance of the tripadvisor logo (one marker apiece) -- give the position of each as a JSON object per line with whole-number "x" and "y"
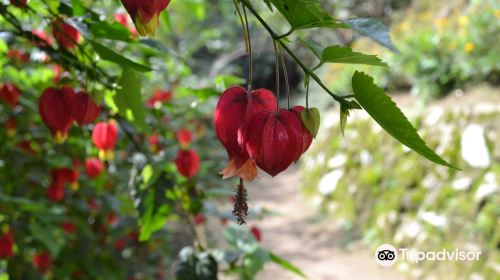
{"x": 387, "y": 255}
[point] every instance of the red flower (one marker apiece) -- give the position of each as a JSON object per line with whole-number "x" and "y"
{"x": 84, "y": 109}
{"x": 68, "y": 227}
{"x": 26, "y": 146}
{"x": 307, "y": 137}
{"x": 112, "y": 219}
{"x": 55, "y": 109}
{"x": 104, "y": 137}
{"x": 17, "y": 55}
{"x": 42, "y": 262}
{"x": 158, "y": 97}
{"x": 274, "y": 141}
{"x": 66, "y": 35}
{"x": 235, "y": 108}
{"x": 188, "y": 163}
{"x": 257, "y": 234}
{"x": 19, "y": 3}
{"x": 123, "y": 19}
{"x": 40, "y": 38}
{"x": 93, "y": 167}
{"x": 9, "y": 94}
{"x": 133, "y": 235}
{"x": 6, "y": 244}
{"x": 145, "y": 14}
{"x": 199, "y": 219}
{"x": 120, "y": 244}
{"x": 55, "y": 192}
{"x": 184, "y": 138}
{"x": 10, "y": 126}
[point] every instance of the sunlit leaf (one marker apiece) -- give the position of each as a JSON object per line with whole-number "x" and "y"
{"x": 339, "y": 54}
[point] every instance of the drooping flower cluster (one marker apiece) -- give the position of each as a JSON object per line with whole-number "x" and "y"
{"x": 255, "y": 134}
{"x": 145, "y": 14}
{"x": 59, "y": 107}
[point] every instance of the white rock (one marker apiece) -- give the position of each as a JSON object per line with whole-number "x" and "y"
{"x": 329, "y": 182}
{"x": 474, "y": 149}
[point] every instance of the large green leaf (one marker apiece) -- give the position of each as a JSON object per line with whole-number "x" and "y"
{"x": 303, "y": 14}
{"x": 110, "y": 55}
{"x": 374, "y": 29}
{"x": 286, "y": 265}
{"x": 113, "y": 31}
{"x": 385, "y": 112}
{"x": 128, "y": 98}
{"x": 339, "y": 54}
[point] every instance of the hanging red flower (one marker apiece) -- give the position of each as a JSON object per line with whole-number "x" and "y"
{"x": 65, "y": 34}
{"x": 145, "y": 14}
{"x": 158, "y": 97}
{"x": 9, "y": 94}
{"x": 68, "y": 227}
{"x": 6, "y": 244}
{"x": 84, "y": 109}
{"x": 235, "y": 108}
{"x": 93, "y": 167}
{"x": 104, "y": 137}
{"x": 184, "y": 137}
{"x": 274, "y": 141}
{"x": 54, "y": 107}
{"x": 187, "y": 162}
{"x": 10, "y": 126}
{"x": 42, "y": 262}
{"x": 257, "y": 234}
{"x": 307, "y": 137}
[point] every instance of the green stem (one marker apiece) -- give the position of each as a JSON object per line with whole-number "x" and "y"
{"x": 277, "y": 38}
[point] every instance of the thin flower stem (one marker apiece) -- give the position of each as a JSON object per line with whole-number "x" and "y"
{"x": 276, "y": 37}
{"x": 277, "y": 78}
{"x": 245, "y": 36}
{"x": 287, "y": 84}
{"x": 250, "y": 60}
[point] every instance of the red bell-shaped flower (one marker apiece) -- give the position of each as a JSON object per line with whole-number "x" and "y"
{"x": 235, "y": 108}
{"x": 274, "y": 141}
{"x": 54, "y": 107}
{"x": 257, "y": 234}
{"x": 93, "y": 167}
{"x": 65, "y": 34}
{"x": 145, "y": 14}
{"x": 55, "y": 192}
{"x": 184, "y": 138}
{"x": 158, "y": 97}
{"x": 187, "y": 162}
{"x": 9, "y": 94}
{"x": 307, "y": 137}
{"x": 6, "y": 244}
{"x": 104, "y": 137}
{"x": 68, "y": 227}
{"x": 84, "y": 109}
{"x": 42, "y": 262}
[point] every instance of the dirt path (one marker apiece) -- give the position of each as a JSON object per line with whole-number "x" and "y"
{"x": 313, "y": 246}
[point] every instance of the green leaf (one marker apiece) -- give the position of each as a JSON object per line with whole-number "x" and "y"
{"x": 78, "y": 8}
{"x": 110, "y": 55}
{"x": 373, "y": 29}
{"x": 385, "y": 112}
{"x": 128, "y": 98}
{"x": 311, "y": 45}
{"x": 345, "y": 109}
{"x": 112, "y": 31}
{"x": 311, "y": 120}
{"x": 339, "y": 54}
{"x": 286, "y": 265}
{"x": 304, "y": 14}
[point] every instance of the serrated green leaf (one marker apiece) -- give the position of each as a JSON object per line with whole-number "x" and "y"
{"x": 303, "y": 14}
{"x": 339, "y": 54}
{"x": 128, "y": 98}
{"x": 110, "y": 55}
{"x": 286, "y": 265}
{"x": 311, "y": 120}
{"x": 373, "y": 29}
{"x": 385, "y": 112}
